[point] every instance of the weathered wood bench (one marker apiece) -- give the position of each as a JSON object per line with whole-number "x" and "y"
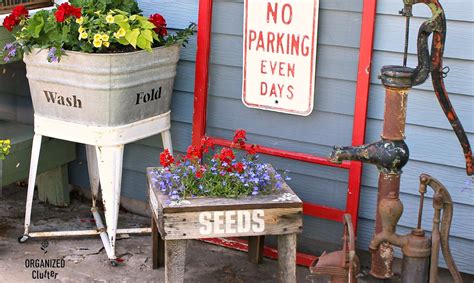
{"x": 254, "y": 217}
{"x": 52, "y": 169}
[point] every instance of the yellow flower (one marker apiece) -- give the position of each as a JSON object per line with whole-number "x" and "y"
{"x": 83, "y": 35}
{"x": 81, "y": 29}
{"x": 97, "y": 37}
{"x": 110, "y": 19}
{"x": 132, "y": 17}
{"x": 105, "y": 37}
{"x": 106, "y": 44}
{"x": 80, "y": 20}
{"x": 120, "y": 33}
{"x": 97, "y": 13}
{"x": 97, "y": 43}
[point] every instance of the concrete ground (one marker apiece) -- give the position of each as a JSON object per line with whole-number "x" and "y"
{"x": 85, "y": 259}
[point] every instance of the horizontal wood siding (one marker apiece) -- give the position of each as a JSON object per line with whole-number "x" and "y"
{"x": 433, "y": 146}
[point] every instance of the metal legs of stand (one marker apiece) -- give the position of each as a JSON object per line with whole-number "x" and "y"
{"x": 35, "y": 152}
{"x": 105, "y": 170}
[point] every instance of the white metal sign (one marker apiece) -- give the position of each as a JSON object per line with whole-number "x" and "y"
{"x": 280, "y": 54}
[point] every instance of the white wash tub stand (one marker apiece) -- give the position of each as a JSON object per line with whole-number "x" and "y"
{"x": 104, "y": 149}
{"x": 280, "y": 214}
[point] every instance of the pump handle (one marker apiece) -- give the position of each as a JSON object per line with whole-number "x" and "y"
{"x": 433, "y": 63}
{"x": 441, "y": 202}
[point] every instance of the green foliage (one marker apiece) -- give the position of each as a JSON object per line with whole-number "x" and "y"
{"x": 91, "y": 6}
{"x": 4, "y": 148}
{"x": 105, "y": 26}
{"x": 181, "y": 37}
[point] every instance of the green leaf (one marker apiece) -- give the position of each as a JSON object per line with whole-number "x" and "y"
{"x": 118, "y": 19}
{"x": 123, "y": 41}
{"x": 35, "y": 25}
{"x": 147, "y": 24}
{"x": 143, "y": 43}
{"x": 131, "y": 36}
{"x": 124, "y": 25}
{"x": 147, "y": 34}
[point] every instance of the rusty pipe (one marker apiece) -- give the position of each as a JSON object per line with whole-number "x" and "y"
{"x": 389, "y": 155}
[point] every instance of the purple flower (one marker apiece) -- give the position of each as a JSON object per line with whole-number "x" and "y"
{"x": 8, "y": 46}
{"x": 52, "y": 57}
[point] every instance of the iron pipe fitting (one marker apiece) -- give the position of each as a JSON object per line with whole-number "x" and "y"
{"x": 388, "y": 156}
{"x": 397, "y": 76}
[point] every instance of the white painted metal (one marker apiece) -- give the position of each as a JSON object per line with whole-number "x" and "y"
{"x": 110, "y": 171}
{"x": 102, "y": 233}
{"x": 92, "y": 168}
{"x": 280, "y": 55}
{"x": 104, "y": 101}
{"x": 46, "y": 234}
{"x": 167, "y": 143}
{"x": 35, "y": 152}
{"x": 104, "y": 150}
{"x": 104, "y": 136}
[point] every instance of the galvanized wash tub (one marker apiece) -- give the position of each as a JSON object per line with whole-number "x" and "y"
{"x": 102, "y": 89}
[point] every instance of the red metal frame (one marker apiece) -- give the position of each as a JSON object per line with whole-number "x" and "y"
{"x": 359, "y": 124}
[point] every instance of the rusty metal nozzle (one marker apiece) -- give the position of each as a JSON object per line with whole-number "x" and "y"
{"x": 390, "y": 210}
{"x": 389, "y": 156}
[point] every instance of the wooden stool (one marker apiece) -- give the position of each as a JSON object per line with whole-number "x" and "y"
{"x": 254, "y": 217}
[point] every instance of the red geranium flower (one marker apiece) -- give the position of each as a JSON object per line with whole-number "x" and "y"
{"x": 226, "y": 155}
{"x": 20, "y": 11}
{"x": 240, "y": 137}
{"x": 206, "y": 144}
{"x": 200, "y": 172}
{"x": 239, "y": 167}
{"x": 9, "y": 22}
{"x": 160, "y": 24}
{"x": 166, "y": 159}
{"x": 15, "y": 17}
{"x": 65, "y": 10}
{"x": 192, "y": 153}
{"x": 252, "y": 149}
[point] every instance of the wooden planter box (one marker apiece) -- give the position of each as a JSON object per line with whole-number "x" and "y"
{"x": 276, "y": 214}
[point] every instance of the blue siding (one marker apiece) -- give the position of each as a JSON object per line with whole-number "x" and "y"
{"x": 433, "y": 145}
{"x": 428, "y": 131}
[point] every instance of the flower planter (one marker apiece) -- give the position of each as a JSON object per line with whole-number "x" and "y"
{"x": 279, "y": 213}
{"x": 203, "y": 217}
{"x": 104, "y": 90}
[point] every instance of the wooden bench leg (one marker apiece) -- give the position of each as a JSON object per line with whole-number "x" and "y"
{"x": 175, "y": 258}
{"x": 255, "y": 244}
{"x": 287, "y": 258}
{"x": 158, "y": 246}
{"x": 53, "y": 186}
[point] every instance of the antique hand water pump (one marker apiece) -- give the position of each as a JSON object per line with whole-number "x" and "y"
{"x": 391, "y": 153}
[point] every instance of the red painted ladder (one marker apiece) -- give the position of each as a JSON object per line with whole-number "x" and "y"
{"x": 358, "y": 133}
